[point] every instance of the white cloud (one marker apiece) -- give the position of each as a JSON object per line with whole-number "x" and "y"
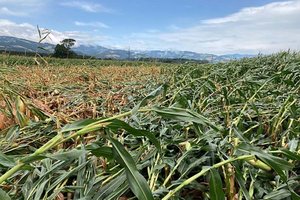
{"x": 267, "y": 29}
{"x": 87, "y": 6}
{"x": 29, "y": 32}
{"x": 82, "y": 38}
{"x": 22, "y": 2}
{"x": 23, "y": 30}
{"x": 251, "y": 13}
{"x": 21, "y": 7}
{"x": 91, "y": 24}
{"x": 6, "y": 11}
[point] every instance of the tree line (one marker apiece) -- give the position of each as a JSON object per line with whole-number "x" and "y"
{"x": 63, "y": 50}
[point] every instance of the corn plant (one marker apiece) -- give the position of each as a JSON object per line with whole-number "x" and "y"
{"x": 213, "y": 131}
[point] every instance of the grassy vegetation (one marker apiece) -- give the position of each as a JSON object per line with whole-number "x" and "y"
{"x": 15, "y": 60}
{"x": 76, "y": 129}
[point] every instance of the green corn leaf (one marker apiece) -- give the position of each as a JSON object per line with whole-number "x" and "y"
{"x": 186, "y": 116}
{"x": 155, "y": 93}
{"x": 118, "y": 192}
{"x": 40, "y": 190}
{"x": 77, "y": 125}
{"x": 295, "y": 196}
{"x": 137, "y": 182}
{"x": 278, "y": 195}
{"x": 4, "y": 195}
{"x": 67, "y": 155}
{"x": 39, "y": 113}
{"x": 111, "y": 187}
{"x": 215, "y": 186}
{"x": 106, "y": 152}
{"x": 118, "y": 124}
{"x": 64, "y": 176}
{"x": 32, "y": 158}
{"x": 277, "y": 163}
{"x": 241, "y": 182}
{"x": 289, "y": 154}
{"x": 6, "y": 161}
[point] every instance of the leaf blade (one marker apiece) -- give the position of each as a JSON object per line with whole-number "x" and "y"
{"x": 137, "y": 183}
{"x": 215, "y": 186}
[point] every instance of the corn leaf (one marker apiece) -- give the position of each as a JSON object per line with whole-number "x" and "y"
{"x": 137, "y": 182}
{"x": 215, "y": 186}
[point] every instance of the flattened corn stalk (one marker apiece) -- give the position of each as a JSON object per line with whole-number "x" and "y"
{"x": 59, "y": 139}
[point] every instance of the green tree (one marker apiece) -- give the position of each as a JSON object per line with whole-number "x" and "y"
{"x": 60, "y": 51}
{"x": 68, "y": 43}
{"x": 63, "y": 50}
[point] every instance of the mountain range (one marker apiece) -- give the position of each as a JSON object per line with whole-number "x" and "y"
{"x": 8, "y": 43}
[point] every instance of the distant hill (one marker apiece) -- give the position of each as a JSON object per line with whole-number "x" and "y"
{"x": 8, "y": 43}
{"x": 21, "y": 45}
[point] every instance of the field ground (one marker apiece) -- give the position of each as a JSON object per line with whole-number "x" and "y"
{"x": 89, "y": 129}
{"x": 83, "y": 92}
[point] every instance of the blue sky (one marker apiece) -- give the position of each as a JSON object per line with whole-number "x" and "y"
{"x": 205, "y": 26}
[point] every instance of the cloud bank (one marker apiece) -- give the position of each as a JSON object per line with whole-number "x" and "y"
{"x": 265, "y": 29}
{"x": 91, "y": 24}
{"x": 21, "y": 7}
{"x": 86, "y": 6}
{"x": 30, "y": 32}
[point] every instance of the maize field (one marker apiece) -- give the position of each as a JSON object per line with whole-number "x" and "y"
{"x": 103, "y": 130}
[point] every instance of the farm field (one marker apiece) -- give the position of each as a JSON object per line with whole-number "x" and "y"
{"x": 91, "y": 129}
